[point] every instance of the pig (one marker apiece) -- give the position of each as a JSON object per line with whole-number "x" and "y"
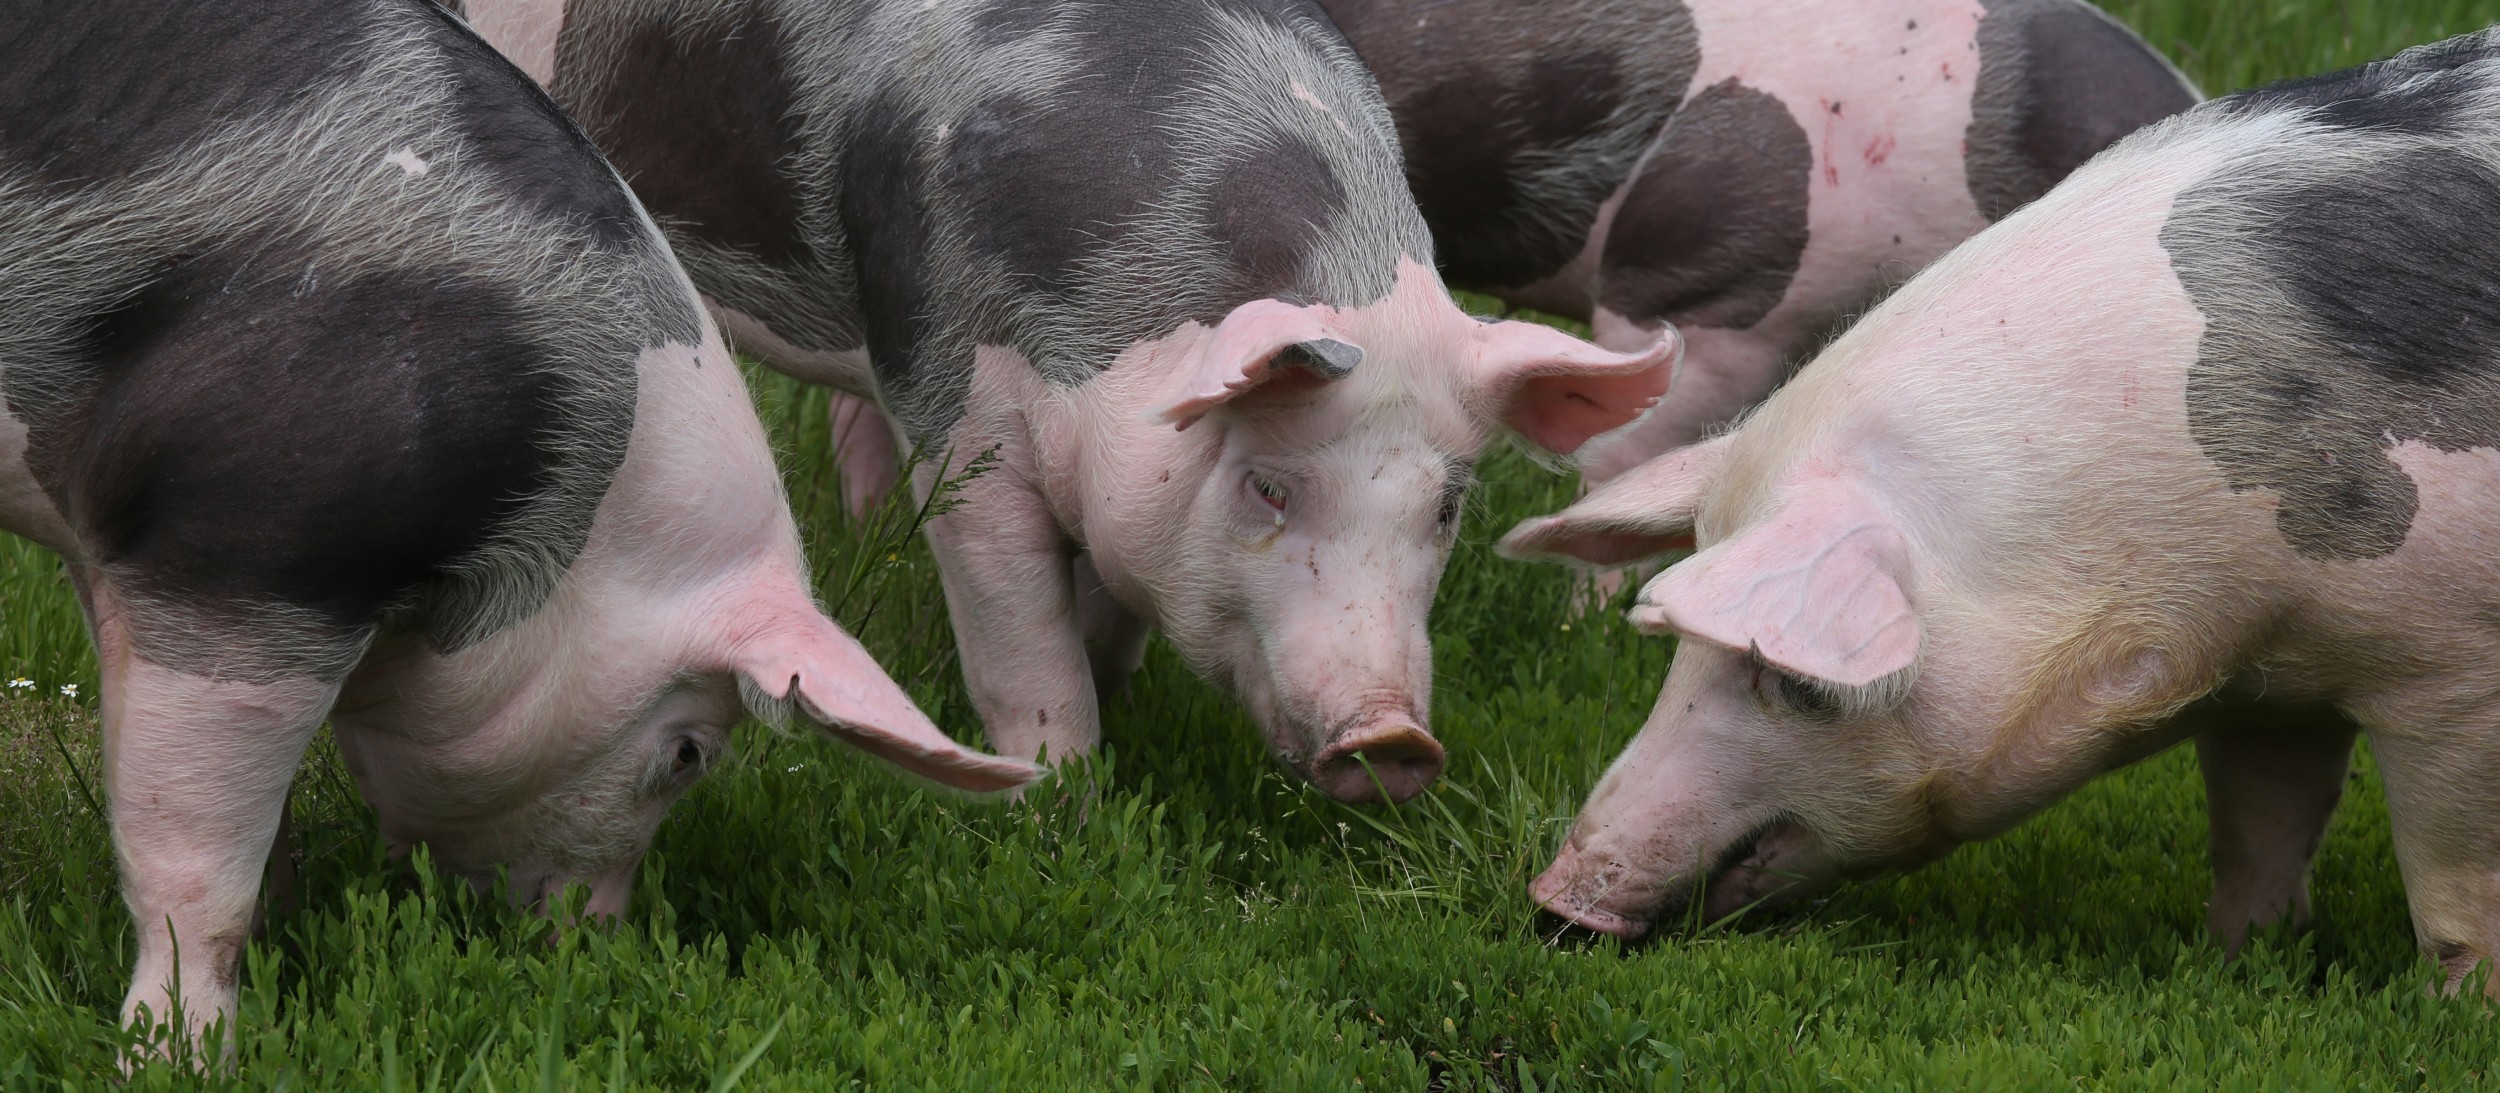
{"x": 1156, "y": 258}
{"x": 352, "y": 385}
{"x": 1750, "y": 173}
{"x": 2199, "y": 446}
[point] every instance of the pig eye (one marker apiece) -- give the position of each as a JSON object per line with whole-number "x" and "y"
{"x": 1268, "y": 491}
{"x": 689, "y": 754}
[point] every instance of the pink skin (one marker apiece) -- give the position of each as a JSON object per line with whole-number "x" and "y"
{"x": 552, "y": 749}
{"x": 2024, "y": 572}
{"x": 1888, "y": 193}
{"x": 1284, "y": 531}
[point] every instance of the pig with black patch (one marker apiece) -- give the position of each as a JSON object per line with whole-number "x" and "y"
{"x": 1749, "y": 173}
{"x": 352, "y": 385}
{"x": 2203, "y": 445}
{"x": 1156, "y": 257}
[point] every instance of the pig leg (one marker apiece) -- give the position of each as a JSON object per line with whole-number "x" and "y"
{"x": 863, "y": 447}
{"x": 2273, "y": 776}
{"x": 197, "y": 771}
{"x": 1009, "y": 580}
{"x": 2443, "y": 801}
{"x": 1115, "y": 638}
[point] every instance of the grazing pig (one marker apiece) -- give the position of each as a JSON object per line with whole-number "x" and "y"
{"x": 2201, "y": 445}
{"x": 352, "y": 385}
{"x": 1748, "y": 172}
{"x": 1157, "y": 257}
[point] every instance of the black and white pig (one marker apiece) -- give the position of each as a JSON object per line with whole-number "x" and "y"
{"x": 1749, "y": 172}
{"x": 2205, "y": 444}
{"x": 352, "y": 384}
{"x": 1157, "y": 255}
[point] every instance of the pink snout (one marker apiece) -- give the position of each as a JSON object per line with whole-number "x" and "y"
{"x": 1577, "y": 889}
{"x": 1395, "y": 756}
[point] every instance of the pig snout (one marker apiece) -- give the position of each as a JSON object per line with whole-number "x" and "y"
{"x": 1391, "y": 756}
{"x": 1596, "y": 893}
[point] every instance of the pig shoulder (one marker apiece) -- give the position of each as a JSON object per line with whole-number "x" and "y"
{"x": 328, "y": 331}
{"x": 2058, "y": 82}
{"x": 2342, "y": 260}
{"x": 1517, "y": 124}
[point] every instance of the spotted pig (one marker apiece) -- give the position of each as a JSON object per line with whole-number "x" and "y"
{"x": 1158, "y": 257}
{"x": 2198, "y": 446}
{"x": 1750, "y": 173}
{"x": 353, "y": 386}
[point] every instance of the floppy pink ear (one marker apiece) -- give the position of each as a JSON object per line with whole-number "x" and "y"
{"x": 1642, "y": 513}
{"x": 836, "y": 685}
{"x": 1817, "y": 590}
{"x": 1558, "y": 391}
{"x": 1264, "y": 345}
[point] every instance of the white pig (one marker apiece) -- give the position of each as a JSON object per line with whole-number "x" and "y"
{"x": 2203, "y": 445}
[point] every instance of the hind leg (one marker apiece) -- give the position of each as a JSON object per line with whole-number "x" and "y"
{"x": 197, "y": 771}
{"x": 863, "y": 447}
{"x": 1115, "y": 639}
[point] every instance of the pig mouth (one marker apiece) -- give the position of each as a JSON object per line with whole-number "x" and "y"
{"x": 1605, "y": 897}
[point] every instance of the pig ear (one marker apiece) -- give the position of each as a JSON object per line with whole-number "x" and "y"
{"x": 1642, "y": 513}
{"x": 1267, "y": 345}
{"x": 1557, "y": 391}
{"x": 1817, "y": 590}
{"x": 834, "y": 684}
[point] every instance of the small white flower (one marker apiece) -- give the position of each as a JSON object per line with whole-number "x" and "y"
{"x": 69, "y": 690}
{"x": 21, "y": 684}
{"x": 796, "y": 769}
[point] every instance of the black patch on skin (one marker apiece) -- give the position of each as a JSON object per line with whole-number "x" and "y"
{"x": 1007, "y": 22}
{"x": 704, "y": 123}
{"x": 82, "y": 108}
{"x": 2058, "y": 82}
{"x": 1713, "y": 228}
{"x": 1267, "y": 211}
{"x": 2363, "y": 98}
{"x": 518, "y": 135}
{"x": 886, "y": 213}
{"x": 238, "y": 440}
{"x": 1044, "y": 195}
{"x": 1485, "y": 92}
{"x": 1326, "y": 357}
{"x": 2393, "y": 335}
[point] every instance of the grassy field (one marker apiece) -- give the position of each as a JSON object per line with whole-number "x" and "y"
{"x": 1184, "y": 915}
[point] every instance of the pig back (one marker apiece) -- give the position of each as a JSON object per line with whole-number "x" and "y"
{"x": 319, "y": 321}
{"x": 1063, "y": 180}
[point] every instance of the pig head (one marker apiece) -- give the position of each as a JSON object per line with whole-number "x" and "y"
{"x": 1280, "y": 492}
{"x": 1840, "y": 702}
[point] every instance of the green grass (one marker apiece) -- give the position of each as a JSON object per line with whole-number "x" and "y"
{"x": 1184, "y": 915}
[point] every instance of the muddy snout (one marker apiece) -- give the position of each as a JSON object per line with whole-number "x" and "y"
{"x": 1394, "y": 756}
{"x": 1593, "y": 893}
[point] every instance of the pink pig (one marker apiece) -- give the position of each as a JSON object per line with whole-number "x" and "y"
{"x": 2202, "y": 445}
{"x": 1159, "y": 258}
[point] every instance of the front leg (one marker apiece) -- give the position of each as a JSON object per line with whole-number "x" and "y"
{"x": 2273, "y": 776}
{"x": 1008, "y": 571}
{"x": 197, "y": 771}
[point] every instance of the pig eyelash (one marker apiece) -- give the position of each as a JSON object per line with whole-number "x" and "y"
{"x": 1269, "y": 492}
{"x": 1792, "y": 692}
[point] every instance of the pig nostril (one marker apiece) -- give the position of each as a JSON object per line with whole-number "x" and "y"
{"x": 1398, "y": 760}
